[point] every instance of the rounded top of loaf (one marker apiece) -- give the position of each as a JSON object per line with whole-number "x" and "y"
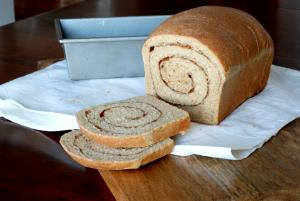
{"x": 234, "y": 36}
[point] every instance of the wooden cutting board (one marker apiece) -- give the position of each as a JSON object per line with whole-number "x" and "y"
{"x": 271, "y": 173}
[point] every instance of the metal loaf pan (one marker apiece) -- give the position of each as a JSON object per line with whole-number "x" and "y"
{"x": 105, "y": 47}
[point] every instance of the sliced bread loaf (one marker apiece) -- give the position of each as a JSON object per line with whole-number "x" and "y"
{"x": 208, "y": 60}
{"x": 90, "y": 154}
{"x": 137, "y": 122}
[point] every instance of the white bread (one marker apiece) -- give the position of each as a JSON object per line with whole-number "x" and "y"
{"x": 90, "y": 154}
{"x": 208, "y": 60}
{"x": 137, "y": 122}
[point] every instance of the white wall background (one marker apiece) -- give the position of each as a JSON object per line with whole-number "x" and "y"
{"x": 7, "y": 12}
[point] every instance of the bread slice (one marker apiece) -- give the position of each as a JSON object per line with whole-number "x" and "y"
{"x": 137, "y": 122}
{"x": 90, "y": 154}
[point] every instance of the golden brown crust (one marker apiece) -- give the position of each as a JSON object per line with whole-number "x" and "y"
{"x": 229, "y": 33}
{"x": 175, "y": 127}
{"x": 157, "y": 154}
{"x": 244, "y": 85}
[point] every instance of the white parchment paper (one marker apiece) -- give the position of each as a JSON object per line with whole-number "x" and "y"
{"x": 47, "y": 100}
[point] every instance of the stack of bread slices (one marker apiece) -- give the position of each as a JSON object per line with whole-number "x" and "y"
{"x": 125, "y": 134}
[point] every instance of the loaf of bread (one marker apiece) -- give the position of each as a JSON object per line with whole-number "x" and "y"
{"x": 137, "y": 122}
{"x": 208, "y": 60}
{"x": 90, "y": 154}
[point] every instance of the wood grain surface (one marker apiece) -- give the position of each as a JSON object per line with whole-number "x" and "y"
{"x": 271, "y": 173}
{"x": 34, "y": 167}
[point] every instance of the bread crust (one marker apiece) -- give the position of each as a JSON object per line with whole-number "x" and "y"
{"x": 245, "y": 84}
{"x": 234, "y": 36}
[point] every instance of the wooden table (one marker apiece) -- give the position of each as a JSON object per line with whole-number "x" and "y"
{"x": 34, "y": 167}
